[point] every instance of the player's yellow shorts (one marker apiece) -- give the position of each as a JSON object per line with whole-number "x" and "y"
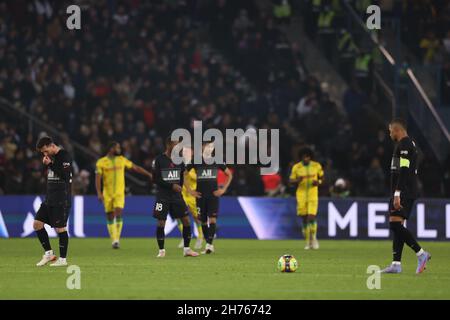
{"x": 112, "y": 202}
{"x": 191, "y": 203}
{"x": 305, "y": 207}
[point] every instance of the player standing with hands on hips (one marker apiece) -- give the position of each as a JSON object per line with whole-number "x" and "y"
{"x": 55, "y": 209}
{"x": 404, "y": 193}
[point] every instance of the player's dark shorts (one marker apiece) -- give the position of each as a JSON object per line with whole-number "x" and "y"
{"x": 176, "y": 208}
{"x": 207, "y": 207}
{"x": 54, "y": 216}
{"x": 405, "y": 211}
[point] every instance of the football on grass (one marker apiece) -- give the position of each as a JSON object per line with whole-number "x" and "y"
{"x": 287, "y": 263}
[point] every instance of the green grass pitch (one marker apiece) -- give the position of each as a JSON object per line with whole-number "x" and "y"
{"x": 240, "y": 269}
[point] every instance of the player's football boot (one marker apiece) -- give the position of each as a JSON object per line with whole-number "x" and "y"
{"x": 115, "y": 245}
{"x": 209, "y": 248}
{"x": 307, "y": 246}
{"x": 161, "y": 254}
{"x": 422, "y": 261}
{"x": 181, "y": 244}
{"x": 61, "y": 262}
{"x": 315, "y": 244}
{"x": 46, "y": 258}
{"x": 198, "y": 243}
{"x": 188, "y": 252}
{"x": 393, "y": 268}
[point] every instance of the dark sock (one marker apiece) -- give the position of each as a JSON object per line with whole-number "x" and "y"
{"x": 406, "y": 236}
{"x": 187, "y": 235}
{"x": 205, "y": 230}
{"x": 63, "y": 243}
{"x": 397, "y": 242}
{"x": 43, "y": 239}
{"x": 211, "y": 232}
{"x": 160, "y": 237}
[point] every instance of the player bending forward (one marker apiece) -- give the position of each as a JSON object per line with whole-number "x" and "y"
{"x": 207, "y": 193}
{"x": 55, "y": 209}
{"x": 307, "y": 175}
{"x": 169, "y": 179}
{"x": 110, "y": 170}
{"x": 404, "y": 193}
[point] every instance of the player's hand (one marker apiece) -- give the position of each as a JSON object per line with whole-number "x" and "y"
{"x": 219, "y": 192}
{"x": 46, "y": 160}
{"x": 195, "y": 194}
{"x": 315, "y": 183}
{"x": 100, "y": 197}
{"x": 176, "y": 188}
{"x": 397, "y": 205}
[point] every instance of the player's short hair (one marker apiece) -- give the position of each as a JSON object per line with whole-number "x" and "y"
{"x": 110, "y": 145}
{"x": 169, "y": 140}
{"x": 401, "y": 122}
{"x": 42, "y": 142}
{"x": 306, "y": 151}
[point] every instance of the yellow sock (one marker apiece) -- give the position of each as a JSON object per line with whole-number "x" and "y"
{"x": 199, "y": 230}
{"x": 119, "y": 226}
{"x": 314, "y": 230}
{"x": 111, "y": 230}
{"x": 307, "y": 233}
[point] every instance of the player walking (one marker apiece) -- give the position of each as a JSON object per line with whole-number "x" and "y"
{"x": 307, "y": 175}
{"x": 404, "y": 192}
{"x": 110, "y": 170}
{"x": 55, "y": 209}
{"x": 207, "y": 193}
{"x": 169, "y": 179}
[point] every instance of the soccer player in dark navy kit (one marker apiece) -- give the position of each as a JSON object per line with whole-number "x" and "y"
{"x": 55, "y": 209}
{"x": 404, "y": 191}
{"x": 169, "y": 180}
{"x": 208, "y": 193}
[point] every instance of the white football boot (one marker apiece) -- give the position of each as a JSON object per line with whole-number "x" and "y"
{"x": 188, "y": 252}
{"x": 46, "y": 258}
{"x": 162, "y": 253}
{"x": 61, "y": 262}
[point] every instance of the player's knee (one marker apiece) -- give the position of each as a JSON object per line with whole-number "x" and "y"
{"x": 395, "y": 219}
{"x": 161, "y": 223}
{"x": 60, "y": 230}
{"x": 186, "y": 222}
{"x": 212, "y": 220}
{"x": 38, "y": 225}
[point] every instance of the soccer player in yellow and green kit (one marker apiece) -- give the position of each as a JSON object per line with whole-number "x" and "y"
{"x": 110, "y": 170}
{"x": 307, "y": 175}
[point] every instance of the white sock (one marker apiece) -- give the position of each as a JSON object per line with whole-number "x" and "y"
{"x": 49, "y": 252}
{"x": 186, "y": 249}
{"x": 420, "y": 252}
{"x": 62, "y": 259}
{"x": 162, "y": 250}
{"x": 397, "y": 263}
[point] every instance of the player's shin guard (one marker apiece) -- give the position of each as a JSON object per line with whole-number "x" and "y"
{"x": 397, "y": 242}
{"x": 187, "y": 236}
{"x": 205, "y": 229}
{"x": 119, "y": 226}
{"x": 43, "y": 239}
{"x": 313, "y": 229}
{"x": 211, "y": 233}
{"x": 111, "y": 229}
{"x": 160, "y": 236}
{"x": 63, "y": 244}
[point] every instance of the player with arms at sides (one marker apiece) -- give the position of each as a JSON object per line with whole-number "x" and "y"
{"x": 208, "y": 193}
{"x": 110, "y": 172}
{"x": 191, "y": 180}
{"x": 404, "y": 192}
{"x": 169, "y": 180}
{"x": 55, "y": 209}
{"x": 307, "y": 175}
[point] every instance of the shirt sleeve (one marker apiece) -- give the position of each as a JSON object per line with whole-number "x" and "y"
{"x": 320, "y": 173}
{"x": 293, "y": 175}
{"x": 99, "y": 168}
{"x": 62, "y": 166}
{"x": 405, "y": 151}
{"x": 128, "y": 164}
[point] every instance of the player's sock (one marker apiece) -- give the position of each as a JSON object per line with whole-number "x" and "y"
{"x": 304, "y": 231}
{"x": 43, "y": 239}
{"x": 119, "y": 226}
{"x": 205, "y": 229}
{"x": 307, "y": 232}
{"x": 198, "y": 225}
{"x": 211, "y": 233}
{"x": 111, "y": 229}
{"x": 63, "y": 244}
{"x": 397, "y": 244}
{"x": 407, "y": 236}
{"x": 313, "y": 229}
{"x": 187, "y": 236}
{"x": 160, "y": 237}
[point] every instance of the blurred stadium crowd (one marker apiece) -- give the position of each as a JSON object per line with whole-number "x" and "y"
{"x": 139, "y": 69}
